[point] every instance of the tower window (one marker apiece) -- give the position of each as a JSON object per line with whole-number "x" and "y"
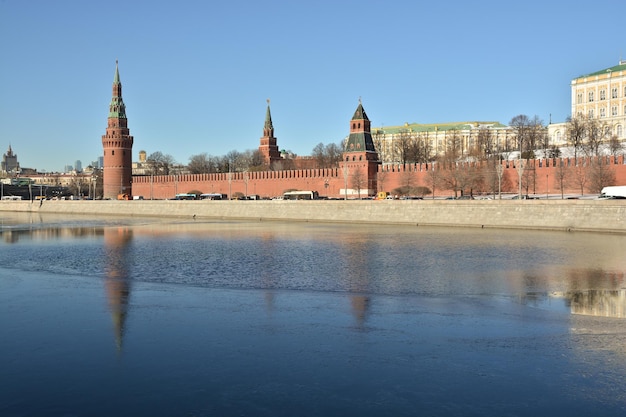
{"x": 112, "y": 153}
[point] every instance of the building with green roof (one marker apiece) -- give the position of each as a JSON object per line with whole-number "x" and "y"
{"x": 599, "y": 95}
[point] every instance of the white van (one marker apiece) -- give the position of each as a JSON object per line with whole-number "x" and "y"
{"x": 613, "y": 192}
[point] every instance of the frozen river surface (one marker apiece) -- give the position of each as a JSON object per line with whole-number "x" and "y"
{"x": 133, "y": 317}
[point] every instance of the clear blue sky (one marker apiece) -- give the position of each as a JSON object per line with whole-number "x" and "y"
{"x": 196, "y": 74}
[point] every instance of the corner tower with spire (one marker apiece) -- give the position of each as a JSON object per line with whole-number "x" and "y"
{"x": 268, "y": 146}
{"x": 360, "y": 159}
{"x": 118, "y": 147}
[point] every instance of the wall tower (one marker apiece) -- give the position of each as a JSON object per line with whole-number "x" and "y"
{"x": 268, "y": 146}
{"x": 118, "y": 147}
{"x": 360, "y": 159}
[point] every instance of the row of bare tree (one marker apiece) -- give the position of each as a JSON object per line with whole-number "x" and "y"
{"x": 157, "y": 163}
{"x": 484, "y": 179}
{"x": 585, "y": 135}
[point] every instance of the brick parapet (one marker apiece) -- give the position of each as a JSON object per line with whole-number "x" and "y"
{"x": 331, "y": 182}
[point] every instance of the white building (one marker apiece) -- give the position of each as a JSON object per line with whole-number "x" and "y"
{"x": 600, "y": 95}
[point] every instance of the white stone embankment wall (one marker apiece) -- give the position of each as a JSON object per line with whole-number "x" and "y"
{"x": 573, "y": 215}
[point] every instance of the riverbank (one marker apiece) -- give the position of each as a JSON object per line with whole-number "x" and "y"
{"x": 608, "y": 216}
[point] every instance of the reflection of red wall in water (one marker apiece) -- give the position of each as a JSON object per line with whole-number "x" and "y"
{"x": 331, "y": 182}
{"x": 117, "y": 281}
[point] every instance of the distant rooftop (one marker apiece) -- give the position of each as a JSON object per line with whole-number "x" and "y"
{"x": 435, "y": 127}
{"x": 619, "y": 67}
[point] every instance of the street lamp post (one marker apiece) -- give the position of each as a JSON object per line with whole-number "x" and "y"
{"x": 345, "y": 178}
{"x": 499, "y": 172}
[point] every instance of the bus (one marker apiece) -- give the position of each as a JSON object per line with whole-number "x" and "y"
{"x": 185, "y": 196}
{"x": 300, "y": 195}
{"x": 213, "y": 196}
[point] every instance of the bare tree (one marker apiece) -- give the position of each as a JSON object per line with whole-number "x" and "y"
{"x": 484, "y": 143}
{"x": 595, "y": 133}
{"x": 402, "y": 145}
{"x": 200, "y": 164}
{"x": 433, "y": 175}
{"x": 319, "y": 155}
{"x": 535, "y": 135}
{"x": 381, "y": 177}
{"x": 358, "y": 181}
{"x": 576, "y": 129}
{"x": 615, "y": 146}
{"x": 327, "y": 156}
{"x": 159, "y": 163}
{"x": 561, "y": 176}
{"x": 452, "y": 152}
{"x": 580, "y": 177}
{"x": 333, "y": 155}
{"x": 601, "y": 175}
{"x": 521, "y": 125}
{"x": 379, "y": 144}
{"x": 408, "y": 180}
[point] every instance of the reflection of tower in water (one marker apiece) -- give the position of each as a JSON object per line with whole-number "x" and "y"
{"x": 117, "y": 280}
{"x": 357, "y": 275}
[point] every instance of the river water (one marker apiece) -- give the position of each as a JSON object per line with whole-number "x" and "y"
{"x": 129, "y": 316}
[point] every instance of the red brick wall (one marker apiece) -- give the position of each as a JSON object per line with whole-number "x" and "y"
{"x": 327, "y": 182}
{"x": 543, "y": 181}
{"x": 331, "y": 182}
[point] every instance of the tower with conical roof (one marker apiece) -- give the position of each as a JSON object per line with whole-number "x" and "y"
{"x": 360, "y": 159}
{"x": 9, "y": 162}
{"x": 118, "y": 147}
{"x": 268, "y": 146}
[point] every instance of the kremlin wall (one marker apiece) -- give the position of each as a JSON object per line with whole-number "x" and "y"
{"x": 541, "y": 175}
{"x": 359, "y": 174}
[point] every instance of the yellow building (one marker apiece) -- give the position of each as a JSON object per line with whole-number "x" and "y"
{"x": 600, "y": 95}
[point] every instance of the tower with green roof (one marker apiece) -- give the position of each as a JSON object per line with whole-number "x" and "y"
{"x": 360, "y": 159}
{"x": 268, "y": 146}
{"x": 118, "y": 147}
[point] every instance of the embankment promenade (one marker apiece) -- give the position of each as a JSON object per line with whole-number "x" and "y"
{"x": 607, "y": 216}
